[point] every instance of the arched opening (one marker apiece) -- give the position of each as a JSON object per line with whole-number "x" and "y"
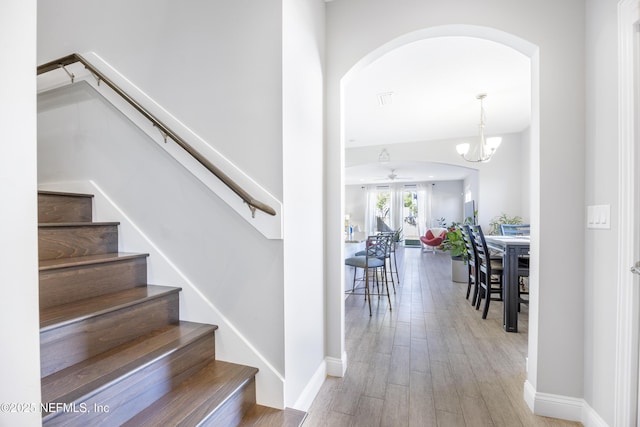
{"x": 336, "y": 310}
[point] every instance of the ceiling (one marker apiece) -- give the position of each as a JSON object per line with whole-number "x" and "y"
{"x": 429, "y": 89}
{"x": 399, "y": 172}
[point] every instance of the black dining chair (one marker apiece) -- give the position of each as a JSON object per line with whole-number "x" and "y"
{"x": 472, "y": 263}
{"x": 523, "y": 261}
{"x": 490, "y": 271}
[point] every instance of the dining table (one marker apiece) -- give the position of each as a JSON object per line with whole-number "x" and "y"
{"x": 512, "y": 248}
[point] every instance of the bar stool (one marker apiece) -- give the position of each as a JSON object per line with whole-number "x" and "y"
{"x": 374, "y": 258}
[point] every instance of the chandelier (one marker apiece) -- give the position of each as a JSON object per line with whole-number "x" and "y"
{"x": 486, "y": 147}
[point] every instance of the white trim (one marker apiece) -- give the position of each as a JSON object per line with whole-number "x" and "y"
{"x": 626, "y": 368}
{"x": 552, "y": 405}
{"x": 529, "y": 395}
{"x": 590, "y": 418}
{"x": 231, "y": 344}
{"x": 269, "y": 226}
{"x": 337, "y": 367}
{"x": 313, "y": 387}
{"x": 562, "y": 407}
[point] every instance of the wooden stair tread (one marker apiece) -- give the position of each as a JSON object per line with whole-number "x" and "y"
{"x": 51, "y": 264}
{"x": 195, "y": 398}
{"x": 65, "y": 314}
{"x": 264, "y": 416}
{"x": 109, "y": 339}
{"x": 91, "y": 375}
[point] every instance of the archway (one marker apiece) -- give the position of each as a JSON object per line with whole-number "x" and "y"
{"x": 335, "y": 324}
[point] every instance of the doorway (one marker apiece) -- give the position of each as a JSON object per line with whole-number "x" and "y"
{"x": 627, "y": 403}
{"x": 337, "y": 156}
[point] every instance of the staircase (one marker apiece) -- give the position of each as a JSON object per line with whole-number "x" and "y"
{"x": 113, "y": 348}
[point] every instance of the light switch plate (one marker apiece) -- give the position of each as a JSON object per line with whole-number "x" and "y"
{"x": 599, "y": 216}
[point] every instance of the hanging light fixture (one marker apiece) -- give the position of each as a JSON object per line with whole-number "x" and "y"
{"x": 384, "y": 156}
{"x": 486, "y": 147}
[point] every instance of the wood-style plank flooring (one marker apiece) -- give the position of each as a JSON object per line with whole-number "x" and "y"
{"x": 432, "y": 361}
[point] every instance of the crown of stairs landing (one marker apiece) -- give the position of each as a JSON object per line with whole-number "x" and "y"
{"x": 113, "y": 348}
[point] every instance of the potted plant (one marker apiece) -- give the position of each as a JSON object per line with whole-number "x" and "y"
{"x": 454, "y": 243}
{"x": 494, "y": 225}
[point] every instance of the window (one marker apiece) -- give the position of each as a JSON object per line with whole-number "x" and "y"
{"x": 410, "y": 213}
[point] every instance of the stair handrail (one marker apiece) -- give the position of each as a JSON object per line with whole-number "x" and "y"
{"x": 61, "y": 63}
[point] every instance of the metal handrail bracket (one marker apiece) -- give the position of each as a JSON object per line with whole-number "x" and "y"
{"x": 166, "y": 132}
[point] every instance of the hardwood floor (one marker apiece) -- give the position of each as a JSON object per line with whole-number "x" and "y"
{"x": 432, "y": 361}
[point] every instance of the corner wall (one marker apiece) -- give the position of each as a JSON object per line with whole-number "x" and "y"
{"x": 303, "y": 107}
{"x": 19, "y": 315}
{"x": 601, "y": 182}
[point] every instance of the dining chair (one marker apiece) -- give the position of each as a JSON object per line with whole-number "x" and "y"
{"x": 373, "y": 261}
{"x": 523, "y": 262}
{"x": 490, "y": 271}
{"x": 523, "y": 280}
{"x": 515, "y": 229}
{"x": 472, "y": 263}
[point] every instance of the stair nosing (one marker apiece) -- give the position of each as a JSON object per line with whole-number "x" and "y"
{"x": 131, "y": 367}
{"x": 70, "y": 262}
{"x": 161, "y": 291}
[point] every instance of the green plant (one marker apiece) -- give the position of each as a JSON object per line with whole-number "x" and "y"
{"x": 494, "y": 225}
{"x": 454, "y": 243}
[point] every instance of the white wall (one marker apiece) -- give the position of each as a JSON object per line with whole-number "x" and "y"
{"x": 355, "y": 204}
{"x": 19, "y": 316}
{"x": 601, "y": 188}
{"x": 551, "y": 34}
{"x": 222, "y": 77}
{"x": 447, "y": 201}
{"x": 303, "y": 91}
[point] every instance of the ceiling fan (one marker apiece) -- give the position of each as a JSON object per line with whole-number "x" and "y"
{"x": 393, "y": 176}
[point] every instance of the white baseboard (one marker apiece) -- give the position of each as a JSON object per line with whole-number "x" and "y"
{"x": 336, "y": 367}
{"x": 331, "y": 366}
{"x": 562, "y": 407}
{"x": 313, "y": 387}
